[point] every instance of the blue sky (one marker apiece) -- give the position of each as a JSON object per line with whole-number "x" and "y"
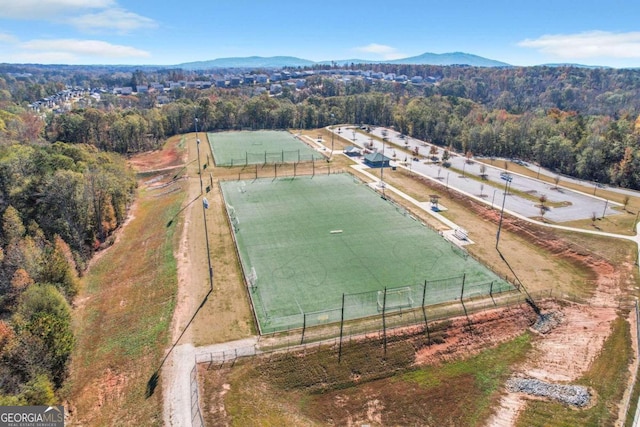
{"x": 167, "y": 33}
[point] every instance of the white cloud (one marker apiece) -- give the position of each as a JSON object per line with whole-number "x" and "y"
{"x": 117, "y": 19}
{"x": 86, "y": 15}
{"x": 46, "y": 9}
{"x": 7, "y": 38}
{"x": 592, "y": 44}
{"x": 383, "y": 51}
{"x": 87, "y": 48}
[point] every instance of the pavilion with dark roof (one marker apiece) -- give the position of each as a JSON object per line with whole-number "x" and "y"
{"x": 376, "y": 160}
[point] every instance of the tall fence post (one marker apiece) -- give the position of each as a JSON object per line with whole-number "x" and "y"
{"x": 384, "y": 321}
{"x": 424, "y": 312}
{"x": 341, "y": 329}
{"x": 304, "y": 326}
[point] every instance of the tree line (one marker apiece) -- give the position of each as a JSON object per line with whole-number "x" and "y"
{"x": 592, "y": 147}
{"x": 59, "y": 203}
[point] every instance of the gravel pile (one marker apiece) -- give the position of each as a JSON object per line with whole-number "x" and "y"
{"x": 547, "y": 321}
{"x": 575, "y": 395}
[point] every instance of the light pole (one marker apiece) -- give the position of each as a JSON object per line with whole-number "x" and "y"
{"x": 504, "y": 199}
{"x": 382, "y": 170}
{"x": 205, "y": 205}
{"x": 447, "y": 180}
{"x": 198, "y": 149}
{"x": 494, "y": 197}
{"x": 595, "y": 187}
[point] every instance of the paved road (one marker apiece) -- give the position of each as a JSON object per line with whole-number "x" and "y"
{"x": 563, "y": 204}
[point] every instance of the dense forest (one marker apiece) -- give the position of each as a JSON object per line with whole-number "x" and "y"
{"x": 65, "y": 187}
{"x": 60, "y": 202}
{"x": 575, "y": 121}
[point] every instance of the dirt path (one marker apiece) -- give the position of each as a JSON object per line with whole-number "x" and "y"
{"x": 190, "y": 259}
{"x": 566, "y": 352}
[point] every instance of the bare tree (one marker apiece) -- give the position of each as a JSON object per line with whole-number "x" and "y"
{"x": 625, "y": 201}
{"x": 556, "y": 180}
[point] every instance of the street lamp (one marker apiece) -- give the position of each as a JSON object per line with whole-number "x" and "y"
{"x": 494, "y": 197}
{"x": 504, "y": 199}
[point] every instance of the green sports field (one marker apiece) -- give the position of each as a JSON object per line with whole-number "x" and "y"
{"x": 258, "y": 147}
{"x": 306, "y": 241}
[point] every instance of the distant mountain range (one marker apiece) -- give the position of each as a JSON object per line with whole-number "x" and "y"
{"x": 453, "y": 58}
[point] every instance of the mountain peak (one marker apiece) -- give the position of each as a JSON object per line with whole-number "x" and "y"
{"x": 452, "y": 58}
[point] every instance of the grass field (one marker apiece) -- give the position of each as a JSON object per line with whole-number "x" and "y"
{"x": 123, "y": 315}
{"x": 258, "y": 147}
{"x": 312, "y": 239}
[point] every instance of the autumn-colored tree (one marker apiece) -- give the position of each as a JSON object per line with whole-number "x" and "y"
{"x": 12, "y": 226}
{"x": 20, "y": 281}
{"x": 627, "y": 172}
{"x": 60, "y": 268}
{"x": 43, "y": 326}
{"x": 433, "y": 152}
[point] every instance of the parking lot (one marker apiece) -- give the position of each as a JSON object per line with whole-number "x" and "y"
{"x": 523, "y": 196}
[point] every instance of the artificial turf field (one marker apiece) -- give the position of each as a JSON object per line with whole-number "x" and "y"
{"x": 258, "y": 147}
{"x": 311, "y": 239}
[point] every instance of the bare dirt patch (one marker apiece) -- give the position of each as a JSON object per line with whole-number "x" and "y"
{"x": 566, "y": 352}
{"x": 170, "y": 156}
{"x": 468, "y": 336}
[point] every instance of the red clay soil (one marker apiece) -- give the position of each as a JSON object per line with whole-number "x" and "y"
{"x": 157, "y": 160}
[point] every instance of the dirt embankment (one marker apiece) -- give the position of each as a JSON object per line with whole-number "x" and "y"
{"x": 560, "y": 355}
